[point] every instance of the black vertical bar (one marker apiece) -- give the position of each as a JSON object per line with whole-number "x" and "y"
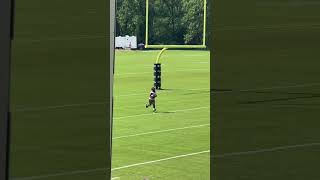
{"x": 6, "y": 33}
{"x": 157, "y": 75}
{"x": 12, "y": 19}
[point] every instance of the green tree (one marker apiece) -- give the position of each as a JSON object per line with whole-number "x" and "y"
{"x": 131, "y": 18}
{"x": 170, "y": 21}
{"x": 193, "y": 21}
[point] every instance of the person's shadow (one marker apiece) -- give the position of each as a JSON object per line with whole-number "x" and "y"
{"x": 165, "y": 112}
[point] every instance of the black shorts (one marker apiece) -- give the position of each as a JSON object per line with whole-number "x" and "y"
{"x": 152, "y": 101}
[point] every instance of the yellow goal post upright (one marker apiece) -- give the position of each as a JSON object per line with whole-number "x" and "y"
{"x": 157, "y": 65}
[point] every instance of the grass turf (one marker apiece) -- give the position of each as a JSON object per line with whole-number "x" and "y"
{"x": 184, "y": 102}
{"x": 58, "y": 134}
{"x": 59, "y": 90}
{"x": 59, "y": 93}
{"x": 266, "y": 86}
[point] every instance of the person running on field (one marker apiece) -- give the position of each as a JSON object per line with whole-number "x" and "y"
{"x": 152, "y": 99}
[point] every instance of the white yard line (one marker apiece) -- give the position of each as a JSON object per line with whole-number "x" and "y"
{"x": 159, "y": 160}
{"x": 104, "y": 169}
{"x": 278, "y": 148}
{"x": 161, "y": 131}
{"x": 149, "y": 114}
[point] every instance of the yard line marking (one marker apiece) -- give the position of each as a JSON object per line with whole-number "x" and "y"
{"x": 148, "y": 114}
{"x": 175, "y": 157}
{"x": 104, "y": 169}
{"x": 279, "y": 148}
{"x": 88, "y": 104}
{"x": 115, "y": 178}
{"x": 161, "y": 131}
{"x": 160, "y": 160}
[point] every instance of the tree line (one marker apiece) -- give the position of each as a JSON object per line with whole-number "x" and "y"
{"x": 170, "y": 21}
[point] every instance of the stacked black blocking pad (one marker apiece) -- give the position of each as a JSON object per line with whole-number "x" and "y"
{"x": 157, "y": 75}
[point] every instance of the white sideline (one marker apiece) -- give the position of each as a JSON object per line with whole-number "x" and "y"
{"x": 160, "y": 160}
{"x": 161, "y": 131}
{"x": 175, "y": 157}
{"x": 103, "y": 169}
{"x": 148, "y": 114}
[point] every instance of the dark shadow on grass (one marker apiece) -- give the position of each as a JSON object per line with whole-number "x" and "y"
{"x": 221, "y": 90}
{"x": 165, "y": 112}
{"x": 197, "y": 92}
{"x": 162, "y": 89}
{"x": 299, "y": 95}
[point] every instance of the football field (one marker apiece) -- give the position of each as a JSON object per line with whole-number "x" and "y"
{"x": 174, "y": 142}
{"x": 59, "y": 101}
{"x": 266, "y": 90}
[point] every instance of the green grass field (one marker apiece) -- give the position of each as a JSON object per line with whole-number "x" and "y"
{"x": 266, "y": 90}
{"x": 59, "y": 90}
{"x": 265, "y": 97}
{"x": 59, "y": 101}
{"x": 59, "y": 137}
{"x": 181, "y": 125}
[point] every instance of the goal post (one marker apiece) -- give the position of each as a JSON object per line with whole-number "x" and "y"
{"x": 164, "y": 47}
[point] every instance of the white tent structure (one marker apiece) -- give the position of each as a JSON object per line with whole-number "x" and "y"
{"x": 126, "y": 42}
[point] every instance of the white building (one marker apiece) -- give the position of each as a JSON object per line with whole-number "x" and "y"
{"x": 126, "y": 42}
